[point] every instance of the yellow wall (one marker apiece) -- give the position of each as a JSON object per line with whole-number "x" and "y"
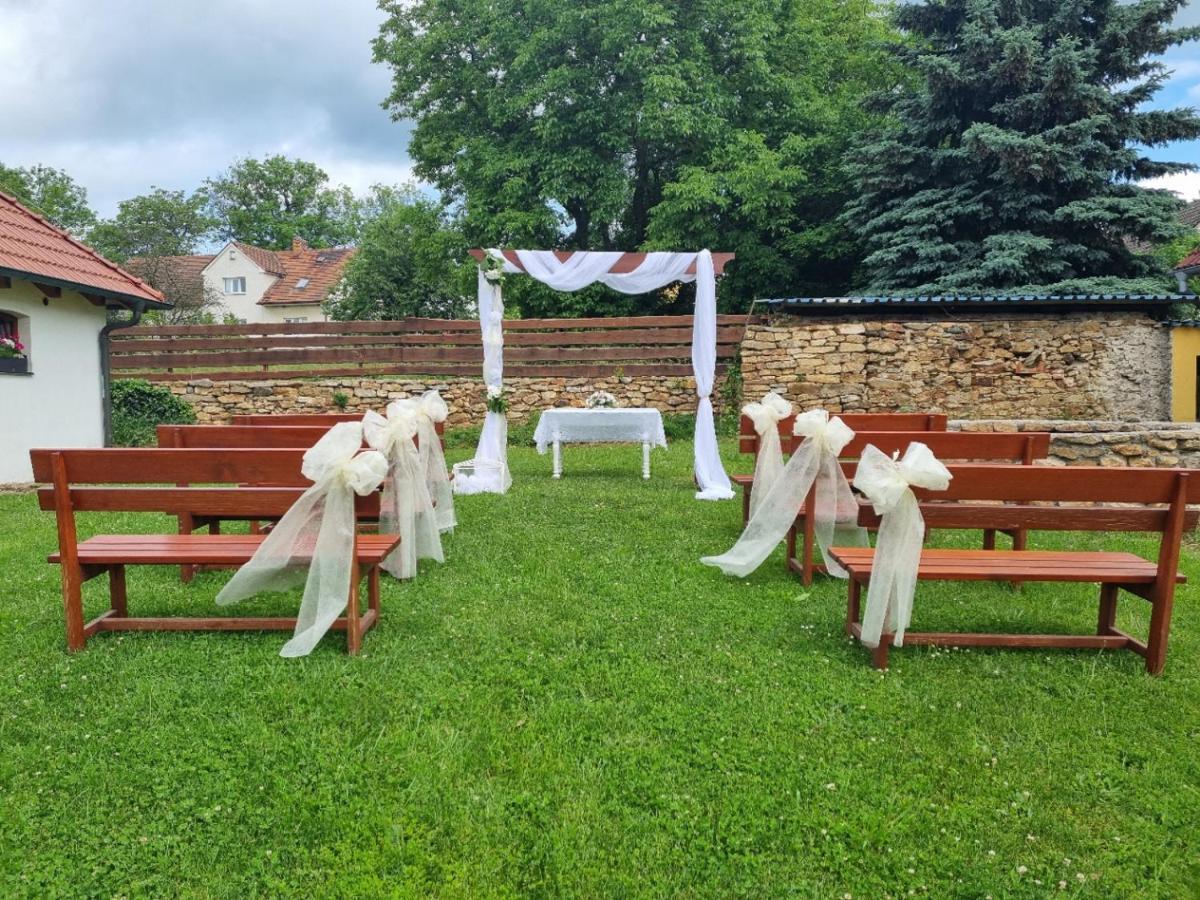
{"x": 1185, "y": 350}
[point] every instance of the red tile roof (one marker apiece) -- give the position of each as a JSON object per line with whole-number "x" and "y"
{"x": 30, "y": 247}
{"x": 318, "y": 270}
{"x": 267, "y": 260}
{"x": 1190, "y": 214}
{"x": 1191, "y": 261}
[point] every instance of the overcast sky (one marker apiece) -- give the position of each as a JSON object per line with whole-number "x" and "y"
{"x": 129, "y": 94}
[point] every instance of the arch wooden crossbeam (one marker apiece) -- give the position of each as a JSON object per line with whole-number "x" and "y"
{"x": 627, "y": 263}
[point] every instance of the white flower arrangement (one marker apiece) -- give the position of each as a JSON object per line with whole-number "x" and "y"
{"x": 601, "y": 400}
{"x": 496, "y": 401}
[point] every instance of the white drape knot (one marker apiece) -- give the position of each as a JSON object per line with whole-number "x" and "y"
{"x": 335, "y": 460}
{"x": 829, "y": 435}
{"x": 396, "y": 432}
{"x": 768, "y": 412}
{"x": 887, "y": 483}
{"x": 432, "y": 407}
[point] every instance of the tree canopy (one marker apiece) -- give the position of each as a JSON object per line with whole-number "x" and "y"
{"x": 624, "y": 124}
{"x": 269, "y": 202}
{"x": 161, "y": 223}
{"x": 51, "y": 193}
{"x": 1008, "y": 163}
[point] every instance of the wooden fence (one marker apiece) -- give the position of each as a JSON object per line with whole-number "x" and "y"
{"x": 584, "y": 348}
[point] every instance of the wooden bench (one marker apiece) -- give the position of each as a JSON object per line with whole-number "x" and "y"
{"x": 1022, "y": 448}
{"x": 748, "y": 437}
{"x": 311, "y": 420}
{"x": 132, "y": 481}
{"x": 1152, "y": 500}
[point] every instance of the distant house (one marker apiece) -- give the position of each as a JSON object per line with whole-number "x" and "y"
{"x": 1188, "y": 267}
{"x": 1190, "y": 214}
{"x": 55, "y": 296}
{"x": 251, "y": 284}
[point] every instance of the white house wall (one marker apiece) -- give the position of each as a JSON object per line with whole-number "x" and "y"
{"x": 271, "y": 313}
{"x": 233, "y": 263}
{"x": 59, "y": 404}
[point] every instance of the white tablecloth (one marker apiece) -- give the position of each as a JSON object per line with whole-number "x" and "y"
{"x": 595, "y": 426}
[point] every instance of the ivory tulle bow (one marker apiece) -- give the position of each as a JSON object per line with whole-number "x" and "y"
{"x": 887, "y": 483}
{"x": 836, "y": 511}
{"x": 768, "y": 464}
{"x": 405, "y": 508}
{"x": 314, "y": 541}
{"x": 432, "y": 409}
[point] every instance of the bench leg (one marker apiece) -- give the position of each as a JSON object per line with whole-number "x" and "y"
{"x": 806, "y": 562}
{"x": 746, "y": 488}
{"x": 853, "y": 604}
{"x": 353, "y": 634}
{"x": 116, "y": 590}
{"x": 989, "y": 539}
{"x": 1107, "y": 619}
{"x": 1160, "y": 625}
{"x": 72, "y": 591}
{"x": 879, "y": 655}
{"x": 186, "y": 526}
{"x": 373, "y": 589}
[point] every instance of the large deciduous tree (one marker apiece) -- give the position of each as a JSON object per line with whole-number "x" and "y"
{"x": 1010, "y": 161}
{"x": 627, "y": 124}
{"x": 411, "y": 261}
{"x": 269, "y": 202}
{"x": 52, "y": 193}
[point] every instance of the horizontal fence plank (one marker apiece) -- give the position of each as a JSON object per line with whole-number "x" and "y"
{"x": 592, "y": 347}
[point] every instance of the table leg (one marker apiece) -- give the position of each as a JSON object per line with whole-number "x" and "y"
{"x": 557, "y": 459}
{"x": 645, "y": 459}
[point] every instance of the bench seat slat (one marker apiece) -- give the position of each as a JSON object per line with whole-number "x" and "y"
{"x": 201, "y": 549}
{"x": 1014, "y": 565}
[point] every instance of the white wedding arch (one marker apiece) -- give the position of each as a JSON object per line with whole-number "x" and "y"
{"x": 629, "y": 273}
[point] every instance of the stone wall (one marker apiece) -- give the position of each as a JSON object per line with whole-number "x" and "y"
{"x": 1109, "y": 444}
{"x": 216, "y": 401}
{"x": 1089, "y": 365}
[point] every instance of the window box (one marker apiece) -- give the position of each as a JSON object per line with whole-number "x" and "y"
{"x": 14, "y": 365}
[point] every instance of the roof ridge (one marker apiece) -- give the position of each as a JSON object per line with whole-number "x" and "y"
{"x": 81, "y": 246}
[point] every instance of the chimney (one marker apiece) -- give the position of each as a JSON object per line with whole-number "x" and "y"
{"x": 298, "y": 244}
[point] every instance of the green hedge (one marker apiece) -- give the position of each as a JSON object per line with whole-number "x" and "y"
{"x": 138, "y": 406}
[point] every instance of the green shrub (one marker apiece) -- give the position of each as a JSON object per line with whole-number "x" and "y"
{"x": 341, "y": 400}
{"x": 138, "y": 406}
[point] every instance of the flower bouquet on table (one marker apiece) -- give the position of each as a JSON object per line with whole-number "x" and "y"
{"x": 601, "y": 400}
{"x": 497, "y": 402}
{"x": 11, "y": 348}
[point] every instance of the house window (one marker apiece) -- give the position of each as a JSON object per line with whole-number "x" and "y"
{"x": 235, "y": 285}
{"x": 297, "y": 320}
{"x": 14, "y": 344}
{"x": 301, "y": 284}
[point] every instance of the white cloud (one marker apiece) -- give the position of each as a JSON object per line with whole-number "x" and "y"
{"x": 1185, "y": 184}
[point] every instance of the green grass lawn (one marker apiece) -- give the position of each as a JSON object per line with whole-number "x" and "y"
{"x": 573, "y": 705}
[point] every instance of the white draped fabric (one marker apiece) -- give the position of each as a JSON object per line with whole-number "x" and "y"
{"x": 489, "y": 468}
{"x": 835, "y": 517}
{"x": 578, "y": 271}
{"x": 768, "y": 464}
{"x": 431, "y": 409}
{"x": 314, "y": 541}
{"x": 887, "y": 483}
{"x": 405, "y": 508}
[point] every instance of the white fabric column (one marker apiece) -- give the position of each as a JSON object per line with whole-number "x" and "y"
{"x": 768, "y": 464}
{"x": 490, "y": 465}
{"x": 710, "y": 474}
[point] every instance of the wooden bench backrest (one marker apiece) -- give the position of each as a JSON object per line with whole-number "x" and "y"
{"x": 748, "y": 437}
{"x": 1020, "y": 447}
{"x": 239, "y": 436}
{"x": 149, "y": 479}
{"x": 324, "y": 420}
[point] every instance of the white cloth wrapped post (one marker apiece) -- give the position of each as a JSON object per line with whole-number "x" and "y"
{"x": 887, "y": 483}
{"x": 768, "y": 464}
{"x": 431, "y": 409}
{"x": 314, "y": 542}
{"x": 835, "y": 514}
{"x": 405, "y": 508}
{"x": 489, "y": 468}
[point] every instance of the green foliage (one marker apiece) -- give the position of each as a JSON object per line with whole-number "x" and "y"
{"x": 161, "y": 223}
{"x": 269, "y": 202}
{"x": 1008, "y": 162}
{"x": 340, "y": 399}
{"x": 623, "y": 125}
{"x": 52, "y": 193}
{"x": 138, "y": 406}
{"x": 573, "y": 706}
{"x": 411, "y": 261}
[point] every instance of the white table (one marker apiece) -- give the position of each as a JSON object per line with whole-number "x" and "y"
{"x": 600, "y": 426}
